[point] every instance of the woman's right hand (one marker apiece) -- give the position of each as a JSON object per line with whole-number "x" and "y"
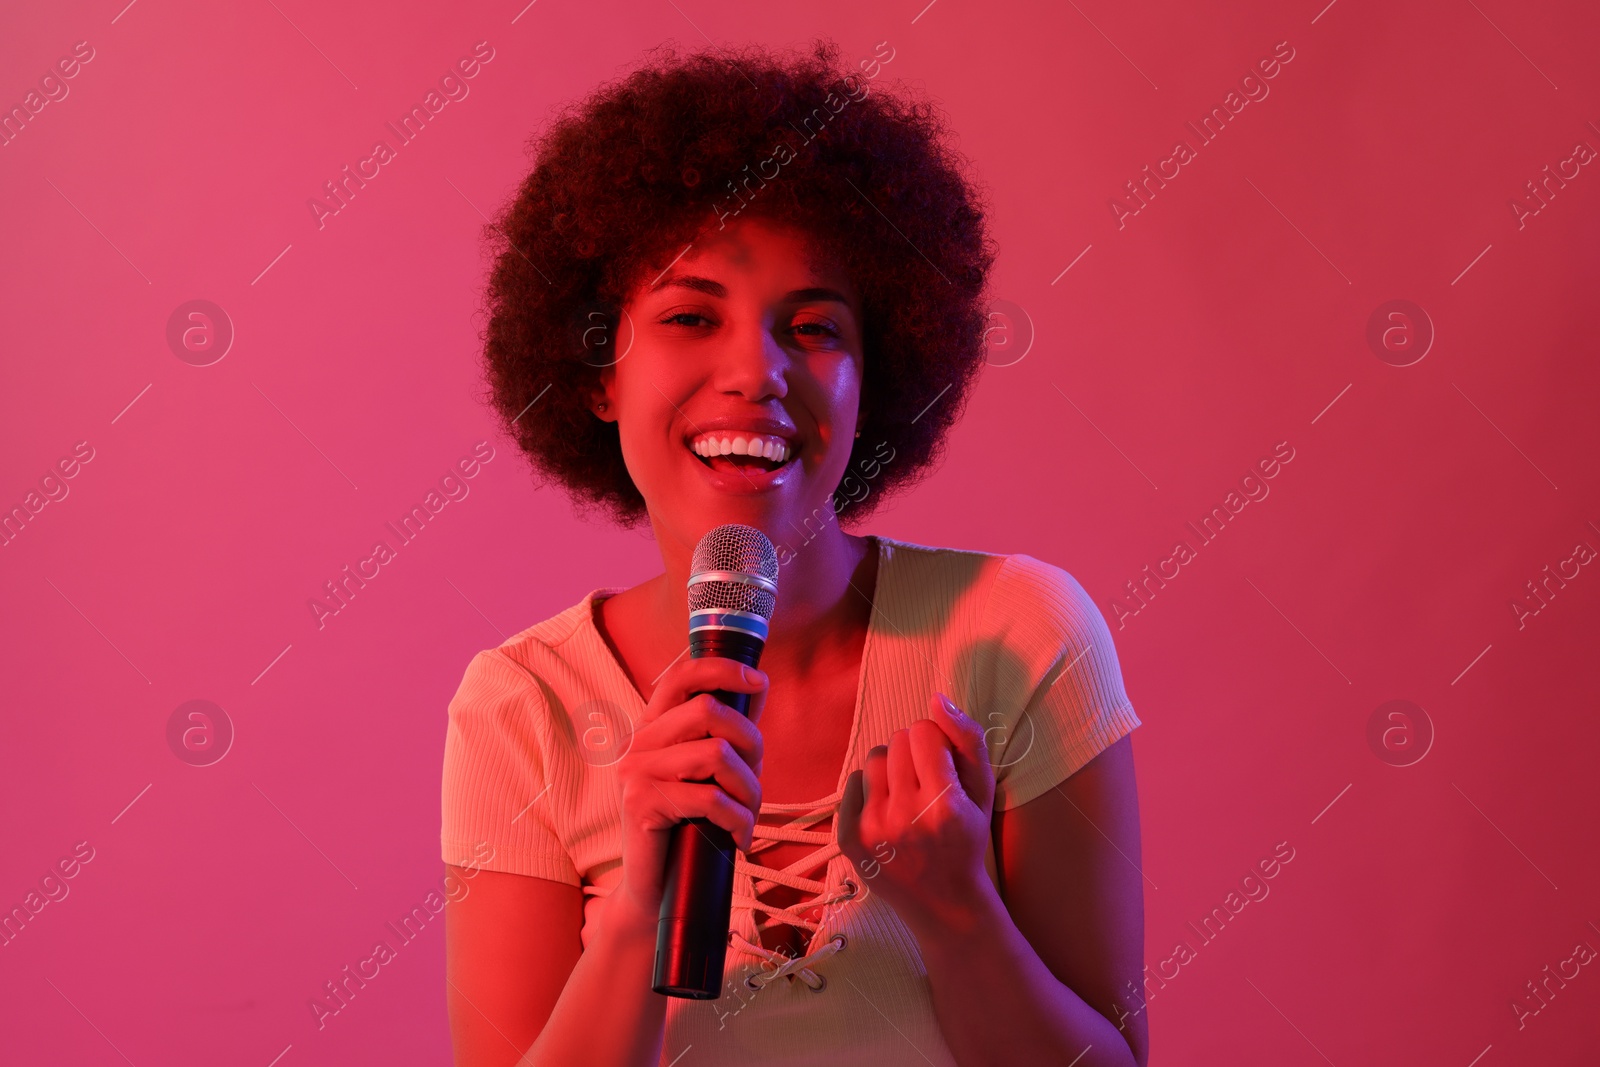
{"x": 687, "y": 734}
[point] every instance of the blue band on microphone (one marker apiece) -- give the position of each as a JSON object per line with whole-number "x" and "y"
{"x": 742, "y": 621}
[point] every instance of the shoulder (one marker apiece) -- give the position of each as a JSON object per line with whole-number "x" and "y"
{"x": 559, "y": 637}
{"x": 1010, "y": 592}
{"x": 514, "y": 669}
{"x": 1047, "y": 679}
{"x": 931, "y": 573}
{"x": 1030, "y": 591}
{"x": 1041, "y": 620}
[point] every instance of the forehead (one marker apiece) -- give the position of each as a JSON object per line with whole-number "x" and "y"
{"x": 753, "y": 253}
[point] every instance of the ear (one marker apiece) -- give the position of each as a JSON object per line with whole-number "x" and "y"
{"x": 601, "y": 397}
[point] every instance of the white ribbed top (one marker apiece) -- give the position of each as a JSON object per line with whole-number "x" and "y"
{"x": 538, "y": 723}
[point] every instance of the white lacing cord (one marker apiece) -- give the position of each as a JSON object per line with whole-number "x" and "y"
{"x": 800, "y": 965}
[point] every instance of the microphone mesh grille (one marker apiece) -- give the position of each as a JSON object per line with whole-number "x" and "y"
{"x": 743, "y": 549}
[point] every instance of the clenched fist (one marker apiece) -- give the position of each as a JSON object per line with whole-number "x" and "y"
{"x": 915, "y": 822}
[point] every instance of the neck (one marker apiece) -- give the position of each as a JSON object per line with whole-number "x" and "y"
{"x": 820, "y": 586}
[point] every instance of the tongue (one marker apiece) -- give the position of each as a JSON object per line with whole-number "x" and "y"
{"x": 740, "y": 463}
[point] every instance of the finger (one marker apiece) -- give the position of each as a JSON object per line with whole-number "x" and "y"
{"x": 687, "y": 677}
{"x": 847, "y": 826}
{"x": 710, "y": 759}
{"x": 933, "y": 756}
{"x": 758, "y": 699}
{"x": 703, "y": 716}
{"x": 673, "y": 802}
{"x": 902, "y": 772}
{"x": 876, "y": 776}
{"x": 969, "y": 751}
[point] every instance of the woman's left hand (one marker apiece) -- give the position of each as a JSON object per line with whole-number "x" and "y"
{"x": 916, "y": 821}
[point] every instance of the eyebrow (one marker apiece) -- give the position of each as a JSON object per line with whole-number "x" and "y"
{"x": 720, "y": 291}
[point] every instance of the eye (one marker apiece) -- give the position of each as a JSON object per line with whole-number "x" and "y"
{"x": 691, "y": 319}
{"x": 815, "y": 328}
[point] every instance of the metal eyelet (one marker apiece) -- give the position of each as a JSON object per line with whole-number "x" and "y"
{"x": 842, "y": 941}
{"x": 854, "y": 888}
{"x": 751, "y": 984}
{"x": 822, "y": 983}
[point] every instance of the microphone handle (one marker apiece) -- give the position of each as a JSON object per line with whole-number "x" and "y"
{"x": 739, "y": 702}
{"x": 697, "y": 897}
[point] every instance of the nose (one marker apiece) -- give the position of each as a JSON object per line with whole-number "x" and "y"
{"x": 753, "y": 365}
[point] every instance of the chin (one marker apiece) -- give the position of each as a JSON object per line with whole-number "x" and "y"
{"x": 784, "y": 513}
{"x": 771, "y": 492}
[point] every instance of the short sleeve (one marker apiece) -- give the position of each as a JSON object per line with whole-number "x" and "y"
{"x": 494, "y": 789}
{"x": 1055, "y": 683}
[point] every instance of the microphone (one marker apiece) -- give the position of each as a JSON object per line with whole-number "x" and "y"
{"x": 733, "y": 585}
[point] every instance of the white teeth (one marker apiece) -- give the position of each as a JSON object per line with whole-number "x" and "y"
{"x": 773, "y": 449}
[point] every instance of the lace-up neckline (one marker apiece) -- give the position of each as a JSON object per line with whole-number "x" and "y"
{"x": 794, "y": 875}
{"x": 751, "y": 878}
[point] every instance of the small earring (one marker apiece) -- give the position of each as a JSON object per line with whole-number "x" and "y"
{"x": 858, "y": 433}
{"x": 601, "y": 406}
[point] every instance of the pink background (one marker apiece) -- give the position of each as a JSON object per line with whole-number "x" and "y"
{"x": 1223, "y": 318}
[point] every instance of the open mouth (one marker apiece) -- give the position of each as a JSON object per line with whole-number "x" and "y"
{"x": 743, "y": 453}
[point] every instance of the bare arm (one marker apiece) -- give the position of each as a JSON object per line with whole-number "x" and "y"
{"x": 519, "y": 979}
{"x": 1040, "y": 975}
{"x": 523, "y": 989}
{"x": 1024, "y": 972}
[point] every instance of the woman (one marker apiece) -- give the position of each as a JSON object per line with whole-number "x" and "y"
{"x": 749, "y": 288}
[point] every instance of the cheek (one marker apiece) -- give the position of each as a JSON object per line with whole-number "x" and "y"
{"x": 648, "y": 395}
{"x": 839, "y": 387}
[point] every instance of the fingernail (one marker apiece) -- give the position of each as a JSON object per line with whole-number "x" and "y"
{"x": 950, "y": 706}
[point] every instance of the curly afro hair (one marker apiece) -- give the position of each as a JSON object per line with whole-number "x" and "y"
{"x": 627, "y": 177}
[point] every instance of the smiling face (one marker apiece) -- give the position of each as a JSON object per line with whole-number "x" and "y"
{"x": 738, "y": 398}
